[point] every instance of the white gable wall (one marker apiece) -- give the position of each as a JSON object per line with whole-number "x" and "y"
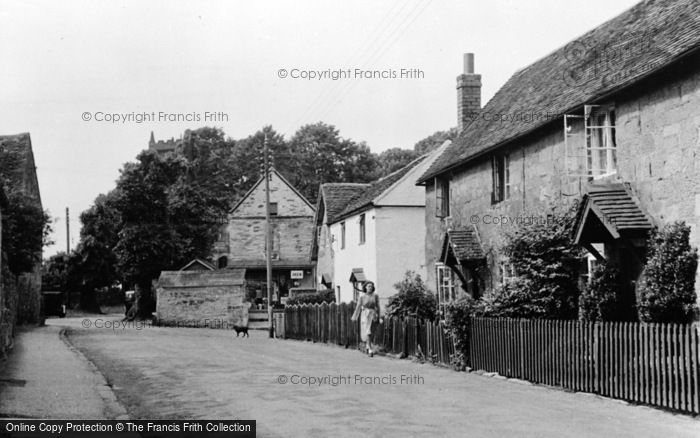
{"x": 354, "y": 255}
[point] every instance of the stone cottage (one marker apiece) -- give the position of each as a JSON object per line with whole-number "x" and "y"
{"x": 241, "y": 242}
{"x": 607, "y": 124}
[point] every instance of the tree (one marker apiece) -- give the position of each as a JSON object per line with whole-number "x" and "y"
{"x": 54, "y": 272}
{"x": 667, "y": 288}
{"x": 25, "y": 230}
{"x": 320, "y": 155}
{"x": 434, "y": 141}
{"x": 394, "y": 159}
{"x": 93, "y": 264}
{"x": 147, "y": 242}
{"x": 169, "y": 217}
{"x": 412, "y": 299}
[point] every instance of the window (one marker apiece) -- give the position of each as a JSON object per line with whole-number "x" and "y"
{"x": 445, "y": 284}
{"x": 508, "y": 273}
{"x": 600, "y": 141}
{"x": 273, "y": 209}
{"x": 500, "y": 173}
{"x": 362, "y": 229}
{"x": 442, "y": 197}
{"x": 342, "y": 235}
{"x": 222, "y": 262}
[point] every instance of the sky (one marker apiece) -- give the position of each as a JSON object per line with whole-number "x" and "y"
{"x": 90, "y": 80}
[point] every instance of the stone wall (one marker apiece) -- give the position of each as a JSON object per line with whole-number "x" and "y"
{"x": 213, "y": 299}
{"x": 289, "y": 202}
{"x": 8, "y": 310}
{"x": 292, "y": 238}
{"x": 30, "y": 303}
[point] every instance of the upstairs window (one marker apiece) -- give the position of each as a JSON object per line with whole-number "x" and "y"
{"x": 362, "y": 229}
{"x": 273, "y": 209}
{"x": 500, "y": 175}
{"x": 442, "y": 197}
{"x": 601, "y": 144}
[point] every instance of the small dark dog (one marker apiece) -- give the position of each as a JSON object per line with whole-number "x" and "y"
{"x": 240, "y": 330}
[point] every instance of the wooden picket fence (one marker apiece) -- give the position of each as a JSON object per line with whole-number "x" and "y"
{"x": 654, "y": 364}
{"x": 330, "y": 323}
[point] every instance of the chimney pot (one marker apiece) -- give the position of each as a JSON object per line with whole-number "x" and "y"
{"x": 468, "y": 63}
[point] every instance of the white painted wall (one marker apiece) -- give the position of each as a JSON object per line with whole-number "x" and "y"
{"x": 400, "y": 246}
{"x": 354, "y": 255}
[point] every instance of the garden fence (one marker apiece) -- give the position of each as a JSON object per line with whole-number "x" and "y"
{"x": 330, "y": 323}
{"x": 654, "y": 364}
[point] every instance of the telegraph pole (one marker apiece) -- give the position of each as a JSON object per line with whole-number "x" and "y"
{"x": 67, "y": 232}
{"x": 268, "y": 237}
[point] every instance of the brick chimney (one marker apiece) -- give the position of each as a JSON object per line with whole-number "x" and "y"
{"x": 468, "y": 93}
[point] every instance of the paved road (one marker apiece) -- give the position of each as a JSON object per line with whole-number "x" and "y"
{"x": 177, "y": 373}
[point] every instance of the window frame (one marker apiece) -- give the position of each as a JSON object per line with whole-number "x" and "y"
{"x": 444, "y": 277}
{"x": 442, "y": 197}
{"x": 601, "y": 159}
{"x": 500, "y": 178}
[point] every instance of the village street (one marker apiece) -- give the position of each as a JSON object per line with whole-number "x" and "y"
{"x": 179, "y": 373}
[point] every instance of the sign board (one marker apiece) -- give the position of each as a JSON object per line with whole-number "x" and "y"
{"x": 298, "y": 275}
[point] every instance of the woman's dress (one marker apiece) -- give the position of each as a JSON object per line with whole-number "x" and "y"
{"x": 368, "y": 315}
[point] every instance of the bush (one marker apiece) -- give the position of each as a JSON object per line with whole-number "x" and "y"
{"x": 322, "y": 296}
{"x": 667, "y": 288}
{"x": 605, "y": 297}
{"x": 413, "y": 299}
{"x": 457, "y": 321}
{"x": 546, "y": 262}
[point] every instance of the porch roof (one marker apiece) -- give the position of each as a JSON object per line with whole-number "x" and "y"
{"x": 609, "y": 212}
{"x": 357, "y": 276}
{"x": 464, "y": 244}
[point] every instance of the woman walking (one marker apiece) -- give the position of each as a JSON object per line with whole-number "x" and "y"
{"x": 367, "y": 311}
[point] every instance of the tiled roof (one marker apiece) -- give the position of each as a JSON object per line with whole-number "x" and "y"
{"x": 615, "y": 208}
{"x": 194, "y": 262}
{"x": 464, "y": 243}
{"x": 367, "y": 196}
{"x": 620, "y": 52}
{"x": 336, "y": 197}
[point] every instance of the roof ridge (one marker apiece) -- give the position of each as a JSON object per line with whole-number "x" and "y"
{"x": 652, "y": 35}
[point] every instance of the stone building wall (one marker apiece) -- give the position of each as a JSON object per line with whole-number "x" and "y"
{"x": 658, "y": 148}
{"x": 214, "y": 299}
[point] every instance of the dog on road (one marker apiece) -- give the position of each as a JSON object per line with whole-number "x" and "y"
{"x": 240, "y": 330}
